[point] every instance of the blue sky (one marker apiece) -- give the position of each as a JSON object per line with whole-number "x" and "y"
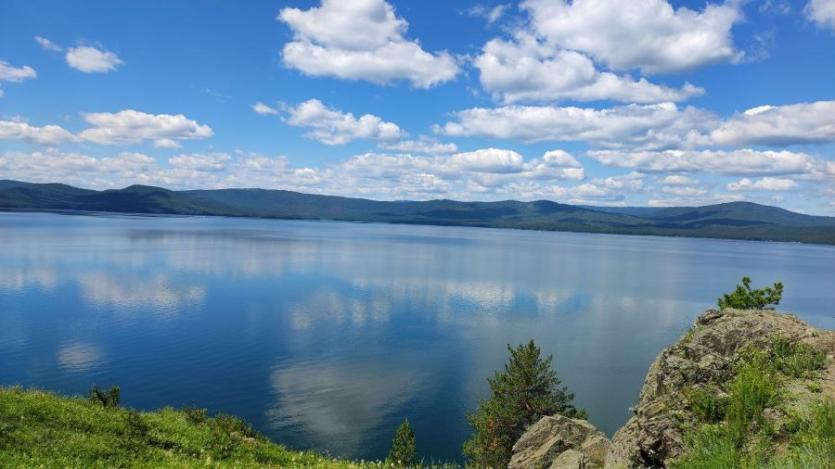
{"x": 609, "y": 102}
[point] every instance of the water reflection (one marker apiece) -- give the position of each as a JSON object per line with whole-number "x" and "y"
{"x": 79, "y": 357}
{"x": 121, "y": 292}
{"x": 326, "y": 335}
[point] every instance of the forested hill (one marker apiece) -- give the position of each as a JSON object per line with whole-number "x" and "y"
{"x": 735, "y": 220}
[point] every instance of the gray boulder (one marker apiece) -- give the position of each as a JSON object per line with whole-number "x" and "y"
{"x": 560, "y": 442}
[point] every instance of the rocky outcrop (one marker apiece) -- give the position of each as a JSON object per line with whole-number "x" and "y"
{"x": 700, "y": 359}
{"x": 560, "y": 442}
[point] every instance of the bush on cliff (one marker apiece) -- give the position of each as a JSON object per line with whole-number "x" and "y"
{"x": 524, "y": 392}
{"x": 746, "y": 298}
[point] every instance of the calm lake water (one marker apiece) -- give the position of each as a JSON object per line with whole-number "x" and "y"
{"x": 326, "y": 335}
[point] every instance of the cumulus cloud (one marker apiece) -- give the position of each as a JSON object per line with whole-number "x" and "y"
{"x": 649, "y": 35}
{"x": 130, "y": 126}
{"x": 166, "y": 143}
{"x": 684, "y": 191}
{"x": 763, "y": 184}
{"x": 732, "y": 162}
{"x": 779, "y": 125}
{"x": 488, "y": 13}
{"x": 334, "y": 127}
{"x": 609, "y": 191}
{"x": 678, "y": 180}
{"x": 89, "y": 59}
{"x": 76, "y": 168}
{"x": 263, "y": 109}
{"x": 480, "y": 174}
{"x": 46, "y": 135}
{"x": 527, "y": 69}
{"x": 46, "y": 44}
{"x": 822, "y": 12}
{"x": 9, "y": 72}
{"x": 652, "y": 126}
{"x": 489, "y": 160}
{"x": 423, "y": 145}
{"x": 360, "y": 40}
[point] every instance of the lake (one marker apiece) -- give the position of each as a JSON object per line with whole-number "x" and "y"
{"x": 326, "y": 335}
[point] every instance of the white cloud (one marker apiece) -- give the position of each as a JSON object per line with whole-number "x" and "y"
{"x": 678, "y": 180}
{"x": 46, "y": 44}
{"x": 561, "y": 158}
{"x": 489, "y": 160}
{"x": 166, "y": 143}
{"x": 423, "y": 145}
{"x": 822, "y": 12}
{"x": 334, "y": 127}
{"x": 480, "y": 174}
{"x": 653, "y": 126}
{"x": 610, "y": 190}
{"x": 92, "y": 60}
{"x": 647, "y": 34}
{"x": 526, "y": 69}
{"x": 8, "y": 72}
{"x": 779, "y": 125}
{"x": 263, "y": 109}
{"x": 489, "y": 14}
{"x": 656, "y": 126}
{"x": 201, "y": 162}
{"x": 764, "y": 184}
{"x": 684, "y": 191}
{"x": 46, "y": 135}
{"x": 130, "y": 126}
{"x": 77, "y": 169}
{"x": 734, "y": 162}
{"x": 360, "y": 40}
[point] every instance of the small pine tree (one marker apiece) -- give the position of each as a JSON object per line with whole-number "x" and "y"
{"x": 109, "y": 398}
{"x": 403, "y": 451}
{"x": 746, "y": 298}
{"x": 524, "y": 392}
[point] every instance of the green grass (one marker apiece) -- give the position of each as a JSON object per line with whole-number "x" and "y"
{"x": 41, "y": 429}
{"x": 734, "y": 432}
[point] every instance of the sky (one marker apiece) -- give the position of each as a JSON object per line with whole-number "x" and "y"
{"x": 601, "y": 102}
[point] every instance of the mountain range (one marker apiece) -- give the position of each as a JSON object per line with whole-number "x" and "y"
{"x": 733, "y": 220}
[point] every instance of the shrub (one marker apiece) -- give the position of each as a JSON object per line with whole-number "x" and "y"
{"x": 524, "y": 392}
{"x": 746, "y": 298}
{"x": 109, "y": 398}
{"x": 196, "y": 415}
{"x": 753, "y": 390}
{"x": 402, "y": 452}
{"x": 707, "y": 406}
{"x": 710, "y": 447}
{"x": 796, "y": 359}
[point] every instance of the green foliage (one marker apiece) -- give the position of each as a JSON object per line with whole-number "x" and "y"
{"x": 524, "y": 392}
{"x": 742, "y": 437}
{"x": 403, "y": 450}
{"x": 109, "y": 398}
{"x": 710, "y": 447}
{"x": 753, "y": 390}
{"x": 796, "y": 359}
{"x": 746, "y": 298}
{"x": 40, "y": 429}
{"x": 708, "y": 407}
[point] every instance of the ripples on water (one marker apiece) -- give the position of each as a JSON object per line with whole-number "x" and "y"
{"x": 326, "y": 335}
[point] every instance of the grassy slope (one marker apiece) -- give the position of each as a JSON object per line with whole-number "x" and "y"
{"x": 41, "y": 429}
{"x": 738, "y": 427}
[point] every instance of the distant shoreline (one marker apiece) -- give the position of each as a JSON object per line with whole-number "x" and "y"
{"x": 733, "y": 220}
{"x": 360, "y": 222}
